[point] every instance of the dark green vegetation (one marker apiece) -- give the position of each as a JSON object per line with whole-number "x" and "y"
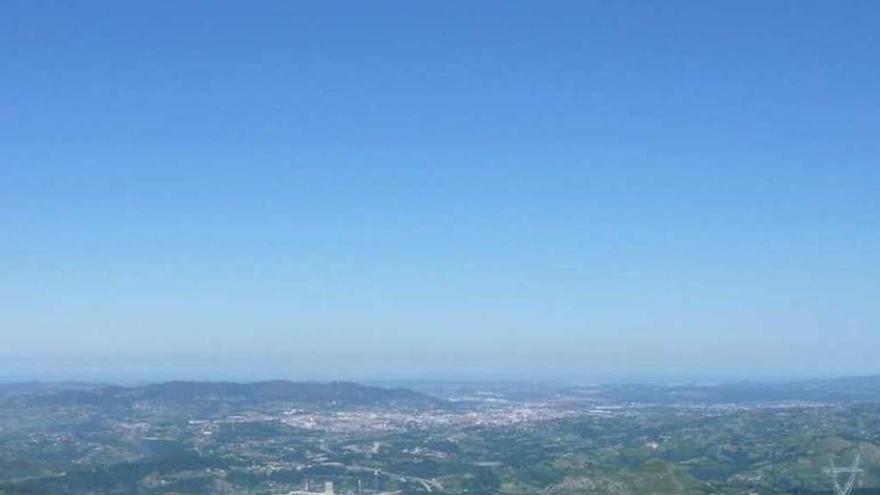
{"x": 271, "y": 437}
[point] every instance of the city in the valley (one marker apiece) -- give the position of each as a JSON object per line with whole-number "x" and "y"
{"x": 290, "y": 438}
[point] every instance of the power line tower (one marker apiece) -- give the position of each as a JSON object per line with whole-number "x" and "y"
{"x": 852, "y": 473}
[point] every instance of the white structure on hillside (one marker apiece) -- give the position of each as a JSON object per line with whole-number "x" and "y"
{"x": 328, "y": 490}
{"x": 853, "y": 471}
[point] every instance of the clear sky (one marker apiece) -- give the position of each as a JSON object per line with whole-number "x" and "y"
{"x": 428, "y": 189}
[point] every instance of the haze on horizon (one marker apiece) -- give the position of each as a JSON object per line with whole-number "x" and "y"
{"x": 399, "y": 189}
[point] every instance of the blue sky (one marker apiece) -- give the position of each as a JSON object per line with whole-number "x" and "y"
{"x": 603, "y": 190}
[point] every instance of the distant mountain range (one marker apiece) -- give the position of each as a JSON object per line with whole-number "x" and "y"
{"x": 849, "y": 389}
{"x": 185, "y": 393}
{"x": 226, "y": 396}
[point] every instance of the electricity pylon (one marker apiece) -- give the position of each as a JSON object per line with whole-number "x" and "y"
{"x": 853, "y": 472}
